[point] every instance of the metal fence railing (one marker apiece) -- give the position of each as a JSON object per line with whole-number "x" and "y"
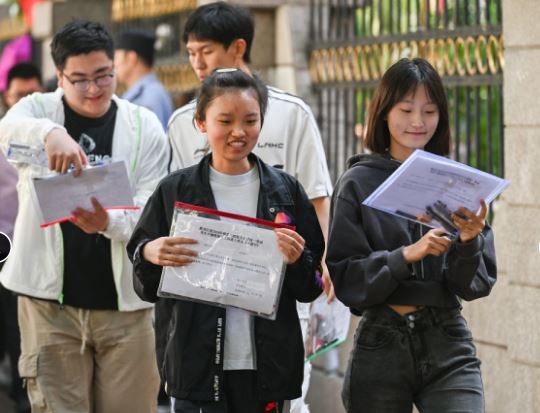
{"x": 355, "y": 41}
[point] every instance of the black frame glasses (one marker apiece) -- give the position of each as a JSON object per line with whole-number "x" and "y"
{"x": 84, "y": 84}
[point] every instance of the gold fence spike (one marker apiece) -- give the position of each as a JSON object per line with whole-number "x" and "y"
{"x": 458, "y": 56}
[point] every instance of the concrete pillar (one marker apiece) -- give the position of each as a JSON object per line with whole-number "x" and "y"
{"x": 507, "y": 324}
{"x": 285, "y": 60}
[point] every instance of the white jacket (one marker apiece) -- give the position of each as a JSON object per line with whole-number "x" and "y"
{"x": 36, "y": 264}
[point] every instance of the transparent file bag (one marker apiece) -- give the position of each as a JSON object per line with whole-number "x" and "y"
{"x": 328, "y": 326}
{"x": 238, "y": 263}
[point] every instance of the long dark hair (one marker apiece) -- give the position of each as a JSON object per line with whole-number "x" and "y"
{"x": 400, "y": 79}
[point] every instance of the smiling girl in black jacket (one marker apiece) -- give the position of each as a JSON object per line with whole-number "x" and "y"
{"x": 216, "y": 359}
{"x": 406, "y": 279}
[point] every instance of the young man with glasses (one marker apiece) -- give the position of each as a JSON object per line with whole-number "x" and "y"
{"x": 84, "y": 332}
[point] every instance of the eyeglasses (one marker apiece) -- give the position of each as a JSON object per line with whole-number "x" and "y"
{"x": 84, "y": 84}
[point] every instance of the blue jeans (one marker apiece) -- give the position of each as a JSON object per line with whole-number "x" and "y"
{"x": 426, "y": 358}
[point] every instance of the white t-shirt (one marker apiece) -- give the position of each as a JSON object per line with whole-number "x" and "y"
{"x": 237, "y": 194}
{"x": 289, "y": 138}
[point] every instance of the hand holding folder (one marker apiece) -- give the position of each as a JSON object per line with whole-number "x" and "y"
{"x": 59, "y": 195}
{"x": 434, "y": 190}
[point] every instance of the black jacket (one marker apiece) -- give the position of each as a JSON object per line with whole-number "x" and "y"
{"x": 365, "y": 250}
{"x": 192, "y": 368}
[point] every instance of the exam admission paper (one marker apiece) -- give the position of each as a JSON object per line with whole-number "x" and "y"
{"x": 428, "y": 188}
{"x": 59, "y": 195}
{"x": 239, "y": 264}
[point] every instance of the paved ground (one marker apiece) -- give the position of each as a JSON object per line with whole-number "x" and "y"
{"x": 7, "y": 406}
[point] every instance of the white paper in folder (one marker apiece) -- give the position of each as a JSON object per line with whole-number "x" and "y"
{"x": 428, "y": 188}
{"x": 59, "y": 195}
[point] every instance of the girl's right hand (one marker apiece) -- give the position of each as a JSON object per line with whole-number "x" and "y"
{"x": 435, "y": 242}
{"x": 169, "y": 251}
{"x": 290, "y": 243}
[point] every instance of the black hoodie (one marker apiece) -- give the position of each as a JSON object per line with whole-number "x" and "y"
{"x": 365, "y": 250}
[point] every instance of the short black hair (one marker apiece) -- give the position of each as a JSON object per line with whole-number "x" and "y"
{"x": 222, "y": 23}
{"x": 139, "y": 41}
{"x": 24, "y": 70}
{"x": 402, "y": 78}
{"x": 222, "y": 81}
{"x": 80, "y": 37}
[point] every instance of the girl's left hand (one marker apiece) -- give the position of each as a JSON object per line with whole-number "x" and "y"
{"x": 290, "y": 243}
{"x": 471, "y": 224}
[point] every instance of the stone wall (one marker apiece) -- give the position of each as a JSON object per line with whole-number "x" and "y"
{"x": 507, "y": 324}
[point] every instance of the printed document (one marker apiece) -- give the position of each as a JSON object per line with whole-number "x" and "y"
{"x": 59, "y": 195}
{"x": 428, "y": 188}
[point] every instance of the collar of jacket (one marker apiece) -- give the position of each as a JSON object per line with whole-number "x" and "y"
{"x": 274, "y": 194}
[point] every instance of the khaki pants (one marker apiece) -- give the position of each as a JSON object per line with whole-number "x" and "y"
{"x": 87, "y": 361}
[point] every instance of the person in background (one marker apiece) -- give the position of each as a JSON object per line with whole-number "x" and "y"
{"x": 22, "y": 79}
{"x": 133, "y": 61}
{"x": 255, "y": 364}
{"x": 407, "y": 280}
{"x": 84, "y": 332}
{"x": 220, "y": 35}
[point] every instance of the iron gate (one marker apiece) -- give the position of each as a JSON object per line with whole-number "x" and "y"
{"x": 355, "y": 41}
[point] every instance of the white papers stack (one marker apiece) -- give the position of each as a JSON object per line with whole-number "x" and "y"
{"x": 428, "y": 188}
{"x": 59, "y": 195}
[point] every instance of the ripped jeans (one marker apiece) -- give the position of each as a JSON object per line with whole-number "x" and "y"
{"x": 426, "y": 358}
